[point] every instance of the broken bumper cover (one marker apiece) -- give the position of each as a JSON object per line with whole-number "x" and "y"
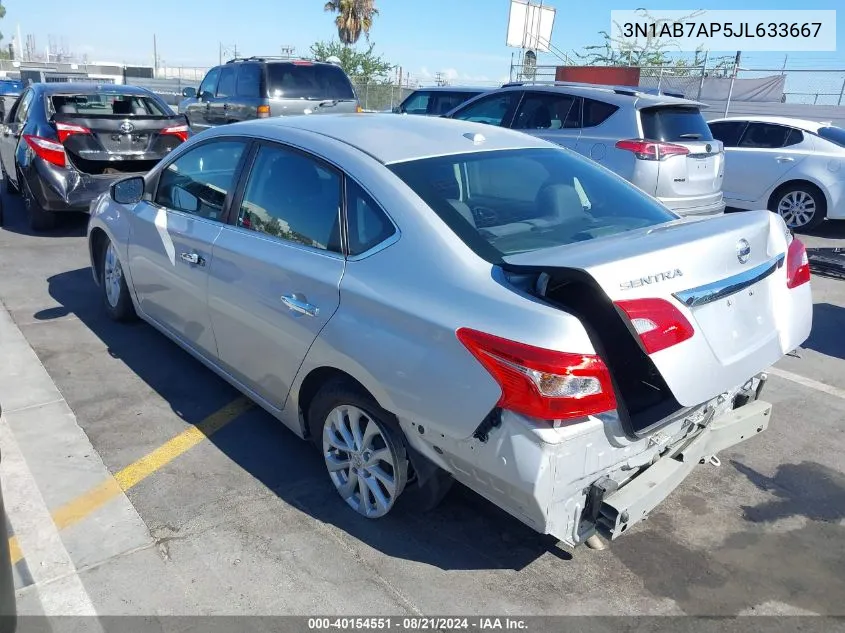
{"x": 63, "y": 189}
{"x": 632, "y": 503}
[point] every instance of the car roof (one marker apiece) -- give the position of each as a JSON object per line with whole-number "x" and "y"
{"x": 801, "y": 124}
{"x": 617, "y": 95}
{"x": 89, "y": 88}
{"x": 393, "y": 139}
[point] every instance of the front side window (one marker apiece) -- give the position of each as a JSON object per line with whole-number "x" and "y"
{"x": 492, "y": 110}
{"x": 417, "y": 103}
{"x": 294, "y": 198}
{"x": 445, "y": 102}
{"x": 209, "y": 84}
{"x": 513, "y": 201}
{"x": 200, "y": 179}
{"x": 765, "y": 136}
{"x": 547, "y": 111}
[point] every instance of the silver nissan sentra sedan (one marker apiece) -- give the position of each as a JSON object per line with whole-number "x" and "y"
{"x": 430, "y": 300}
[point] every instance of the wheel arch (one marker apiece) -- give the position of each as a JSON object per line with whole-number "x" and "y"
{"x": 97, "y": 241}
{"x": 803, "y": 180}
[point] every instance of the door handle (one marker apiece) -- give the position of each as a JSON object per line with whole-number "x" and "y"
{"x": 192, "y": 258}
{"x": 297, "y": 303}
{"x": 785, "y": 159}
{"x": 225, "y": 106}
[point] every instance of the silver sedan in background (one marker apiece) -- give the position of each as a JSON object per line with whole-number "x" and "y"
{"x": 431, "y": 300}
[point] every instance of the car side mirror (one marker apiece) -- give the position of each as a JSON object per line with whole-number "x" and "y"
{"x": 128, "y": 191}
{"x": 189, "y": 93}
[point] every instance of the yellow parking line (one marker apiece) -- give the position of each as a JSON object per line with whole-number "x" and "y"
{"x": 15, "y": 550}
{"x": 135, "y": 473}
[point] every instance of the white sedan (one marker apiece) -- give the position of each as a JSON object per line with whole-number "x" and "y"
{"x": 790, "y": 166}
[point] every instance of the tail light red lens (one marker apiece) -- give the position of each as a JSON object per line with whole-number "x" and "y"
{"x": 652, "y": 150}
{"x": 542, "y": 383}
{"x": 66, "y": 130}
{"x": 797, "y": 264}
{"x": 659, "y": 323}
{"x": 177, "y": 130}
{"x": 47, "y": 149}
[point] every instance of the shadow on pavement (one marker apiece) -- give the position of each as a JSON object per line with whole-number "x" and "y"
{"x": 15, "y": 221}
{"x": 826, "y": 336}
{"x": 465, "y": 532}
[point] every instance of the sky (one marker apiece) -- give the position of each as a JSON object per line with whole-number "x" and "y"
{"x": 463, "y": 39}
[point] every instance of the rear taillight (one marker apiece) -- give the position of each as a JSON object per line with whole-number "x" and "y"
{"x": 542, "y": 383}
{"x": 177, "y": 130}
{"x": 651, "y": 150}
{"x": 47, "y": 149}
{"x": 358, "y": 109}
{"x": 303, "y": 63}
{"x": 797, "y": 264}
{"x": 66, "y": 130}
{"x": 263, "y": 111}
{"x": 659, "y": 323}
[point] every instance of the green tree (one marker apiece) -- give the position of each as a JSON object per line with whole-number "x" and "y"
{"x": 363, "y": 66}
{"x": 354, "y": 17}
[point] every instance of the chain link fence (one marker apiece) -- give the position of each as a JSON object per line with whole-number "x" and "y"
{"x": 380, "y": 97}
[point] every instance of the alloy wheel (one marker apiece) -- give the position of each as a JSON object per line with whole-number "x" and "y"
{"x": 797, "y": 208}
{"x": 361, "y": 463}
{"x": 112, "y": 275}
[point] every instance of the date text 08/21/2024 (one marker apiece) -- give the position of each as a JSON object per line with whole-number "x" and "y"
{"x": 416, "y": 623}
{"x": 674, "y": 30}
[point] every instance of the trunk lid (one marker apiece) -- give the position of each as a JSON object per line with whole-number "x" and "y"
{"x": 726, "y": 275}
{"x": 114, "y": 137}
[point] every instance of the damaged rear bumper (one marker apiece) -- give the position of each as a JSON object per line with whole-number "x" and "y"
{"x": 66, "y": 189}
{"x": 631, "y": 503}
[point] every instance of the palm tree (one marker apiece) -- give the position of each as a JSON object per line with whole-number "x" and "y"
{"x": 353, "y": 18}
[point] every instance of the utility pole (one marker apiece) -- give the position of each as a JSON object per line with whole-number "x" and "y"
{"x": 155, "y": 57}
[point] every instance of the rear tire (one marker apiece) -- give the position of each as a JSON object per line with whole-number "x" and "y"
{"x": 363, "y": 449}
{"x": 802, "y": 205}
{"x": 113, "y": 285}
{"x": 39, "y": 219}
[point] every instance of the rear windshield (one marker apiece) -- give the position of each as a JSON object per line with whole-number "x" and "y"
{"x": 309, "y": 81}
{"x": 513, "y": 201}
{"x": 833, "y": 134}
{"x": 121, "y": 105}
{"x": 674, "y": 124}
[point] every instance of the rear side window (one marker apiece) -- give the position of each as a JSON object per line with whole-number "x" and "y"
{"x": 729, "y": 132}
{"x": 597, "y": 112}
{"x": 226, "y": 87}
{"x": 249, "y": 81}
{"x": 833, "y": 134}
{"x": 308, "y": 81}
{"x": 444, "y": 102}
{"x": 367, "y": 223}
{"x": 491, "y": 110}
{"x": 674, "y": 124}
{"x": 769, "y": 136}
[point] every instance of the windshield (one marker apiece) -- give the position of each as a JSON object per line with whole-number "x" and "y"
{"x": 308, "y": 81}
{"x": 513, "y": 201}
{"x": 833, "y": 134}
{"x": 122, "y": 105}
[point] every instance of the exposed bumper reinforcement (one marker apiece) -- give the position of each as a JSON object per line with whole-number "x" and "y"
{"x": 632, "y": 502}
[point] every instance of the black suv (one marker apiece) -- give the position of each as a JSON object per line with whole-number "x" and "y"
{"x": 261, "y": 87}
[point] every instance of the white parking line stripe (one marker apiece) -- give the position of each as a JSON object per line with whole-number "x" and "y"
{"x": 808, "y": 382}
{"x": 38, "y": 537}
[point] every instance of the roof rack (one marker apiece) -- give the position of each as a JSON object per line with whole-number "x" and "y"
{"x": 264, "y": 58}
{"x": 631, "y": 91}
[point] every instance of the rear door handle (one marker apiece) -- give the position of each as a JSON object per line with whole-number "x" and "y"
{"x": 192, "y": 258}
{"x": 297, "y": 303}
{"x": 785, "y": 159}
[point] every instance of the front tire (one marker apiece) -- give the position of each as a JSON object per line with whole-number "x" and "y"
{"x": 113, "y": 285}
{"x": 363, "y": 451}
{"x": 802, "y": 206}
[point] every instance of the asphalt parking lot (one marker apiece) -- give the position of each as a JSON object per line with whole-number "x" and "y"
{"x": 120, "y": 505}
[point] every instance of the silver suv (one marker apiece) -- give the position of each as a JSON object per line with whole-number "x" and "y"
{"x": 659, "y": 143}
